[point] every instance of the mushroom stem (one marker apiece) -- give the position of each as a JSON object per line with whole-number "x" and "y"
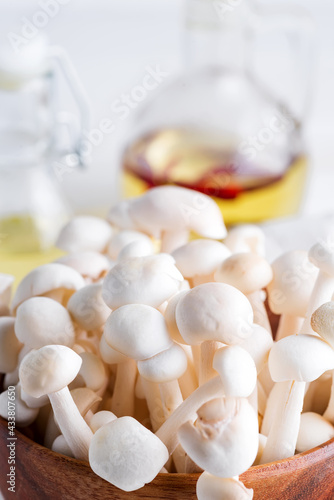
{"x": 171, "y": 240}
{"x": 187, "y": 410}
{"x": 123, "y": 399}
{"x": 260, "y": 313}
{"x": 154, "y": 403}
{"x": 73, "y": 427}
{"x": 208, "y": 349}
{"x": 283, "y": 434}
{"x": 329, "y": 412}
{"x": 288, "y": 325}
{"x": 322, "y": 293}
{"x": 171, "y": 396}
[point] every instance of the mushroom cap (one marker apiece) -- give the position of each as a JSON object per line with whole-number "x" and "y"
{"x": 91, "y": 265}
{"x": 200, "y": 257}
{"x": 101, "y": 418}
{"x": 9, "y": 345}
{"x": 300, "y": 357}
{"x": 246, "y": 238}
{"x": 237, "y": 371}
{"x": 123, "y": 238}
{"x": 42, "y": 321}
{"x": 110, "y": 355}
{"x": 248, "y": 272}
{"x": 166, "y": 366}
{"x": 44, "y": 279}
{"x": 322, "y": 255}
{"x": 85, "y": 233}
{"x": 218, "y": 488}
{"x": 92, "y": 371}
{"x": 141, "y": 280}
{"x": 293, "y": 280}
{"x": 228, "y": 446}
{"x": 48, "y": 369}
{"x": 137, "y": 331}
{"x": 126, "y": 454}
{"x": 258, "y": 345}
{"x": 313, "y": 431}
{"x": 214, "y": 311}
{"x": 139, "y": 248}
{"x": 322, "y": 322}
{"x": 171, "y": 208}
{"x": 24, "y": 415}
{"x": 87, "y": 307}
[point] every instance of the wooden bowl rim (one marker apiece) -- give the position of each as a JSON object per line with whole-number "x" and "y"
{"x": 298, "y": 461}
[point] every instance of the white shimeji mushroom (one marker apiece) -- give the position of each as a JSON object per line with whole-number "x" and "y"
{"x": 23, "y": 414}
{"x": 88, "y": 309}
{"x": 198, "y": 260}
{"x": 169, "y": 213}
{"x": 56, "y": 281}
{"x": 218, "y": 488}
{"x": 246, "y": 238}
{"x": 211, "y": 314}
{"x": 314, "y": 430}
{"x": 290, "y": 290}
{"x": 85, "y": 233}
{"x": 322, "y": 322}
{"x": 122, "y": 239}
{"x": 141, "y": 280}
{"x": 293, "y": 361}
{"x": 100, "y": 419}
{"x": 249, "y": 273}
{"x": 49, "y": 370}
{"x": 138, "y": 248}
{"x": 10, "y": 345}
{"x": 91, "y": 265}
{"x": 42, "y": 321}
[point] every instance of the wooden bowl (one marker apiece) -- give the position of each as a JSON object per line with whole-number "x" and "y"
{"x": 42, "y": 474}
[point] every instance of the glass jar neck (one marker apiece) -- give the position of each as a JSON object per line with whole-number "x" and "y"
{"x": 216, "y": 33}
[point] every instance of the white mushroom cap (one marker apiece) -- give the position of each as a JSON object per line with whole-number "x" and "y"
{"x": 48, "y": 369}
{"x": 185, "y": 209}
{"x": 248, "y": 272}
{"x": 322, "y": 256}
{"x": 246, "y": 238}
{"x": 313, "y": 431}
{"x": 6, "y": 282}
{"x": 137, "y": 331}
{"x": 92, "y": 371}
{"x": 61, "y": 446}
{"x": 46, "y": 278}
{"x": 226, "y": 446}
{"x": 237, "y": 371}
{"x": 258, "y": 345}
{"x": 110, "y": 355}
{"x": 24, "y": 415}
{"x": 42, "y": 321}
{"x": 293, "y": 280}
{"x": 166, "y": 366}
{"x": 139, "y": 248}
{"x": 10, "y": 346}
{"x": 83, "y": 233}
{"x": 91, "y": 265}
{"x": 322, "y": 322}
{"x": 141, "y": 280}
{"x": 170, "y": 317}
{"x": 123, "y": 238}
{"x": 101, "y": 418}
{"x": 209, "y": 487}
{"x": 126, "y": 454}
{"x": 214, "y": 311}
{"x": 200, "y": 257}
{"x": 300, "y": 357}
{"x": 87, "y": 307}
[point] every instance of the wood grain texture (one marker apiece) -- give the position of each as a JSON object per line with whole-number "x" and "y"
{"x": 43, "y": 474}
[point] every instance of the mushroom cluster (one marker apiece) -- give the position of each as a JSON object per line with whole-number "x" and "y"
{"x": 147, "y": 348}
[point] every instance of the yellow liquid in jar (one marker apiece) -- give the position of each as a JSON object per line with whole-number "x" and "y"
{"x": 182, "y": 158}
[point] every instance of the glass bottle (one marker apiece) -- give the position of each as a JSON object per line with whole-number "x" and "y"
{"x": 223, "y": 127}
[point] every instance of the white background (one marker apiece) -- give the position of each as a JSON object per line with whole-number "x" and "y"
{"x": 112, "y": 41}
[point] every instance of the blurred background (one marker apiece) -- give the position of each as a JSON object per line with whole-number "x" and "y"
{"x": 111, "y": 42}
